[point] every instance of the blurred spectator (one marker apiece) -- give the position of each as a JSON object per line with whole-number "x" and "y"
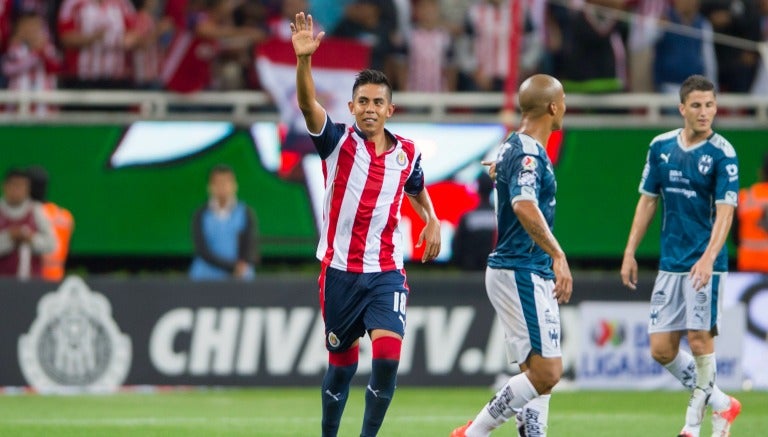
{"x": 6, "y": 23}
{"x": 31, "y": 61}
{"x": 96, "y": 36}
{"x": 373, "y": 22}
{"x": 736, "y": 67}
{"x": 678, "y": 57}
{"x": 279, "y": 25}
{"x": 750, "y": 227}
{"x": 593, "y": 33}
{"x": 328, "y": 13}
{"x": 760, "y": 85}
{"x": 475, "y": 236}
{"x": 430, "y": 51}
{"x": 488, "y": 25}
{"x": 147, "y": 54}
{"x": 643, "y": 32}
{"x": 455, "y": 13}
{"x": 25, "y": 232}
{"x": 187, "y": 66}
{"x": 223, "y": 232}
{"x": 62, "y": 223}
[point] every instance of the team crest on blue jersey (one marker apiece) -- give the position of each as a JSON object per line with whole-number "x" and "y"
{"x": 401, "y": 158}
{"x": 529, "y": 163}
{"x": 705, "y": 164}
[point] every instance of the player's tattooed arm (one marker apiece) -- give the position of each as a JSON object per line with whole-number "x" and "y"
{"x": 533, "y": 221}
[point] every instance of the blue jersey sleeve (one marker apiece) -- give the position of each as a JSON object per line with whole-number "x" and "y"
{"x": 650, "y": 183}
{"x": 415, "y": 183}
{"x": 727, "y": 180}
{"x": 328, "y": 138}
{"x": 522, "y": 174}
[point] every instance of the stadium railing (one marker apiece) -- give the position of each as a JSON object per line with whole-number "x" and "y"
{"x": 604, "y": 110}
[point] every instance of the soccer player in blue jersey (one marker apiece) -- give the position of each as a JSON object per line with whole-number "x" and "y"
{"x": 527, "y": 275}
{"x": 696, "y": 174}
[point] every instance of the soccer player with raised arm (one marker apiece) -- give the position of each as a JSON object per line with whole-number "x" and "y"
{"x": 527, "y": 275}
{"x": 696, "y": 174}
{"x": 362, "y": 282}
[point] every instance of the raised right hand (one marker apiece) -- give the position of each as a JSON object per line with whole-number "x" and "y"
{"x": 304, "y": 42}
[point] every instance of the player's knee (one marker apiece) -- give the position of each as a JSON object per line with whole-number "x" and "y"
{"x": 663, "y": 355}
{"x": 544, "y": 378}
{"x": 345, "y": 358}
{"x": 700, "y": 342}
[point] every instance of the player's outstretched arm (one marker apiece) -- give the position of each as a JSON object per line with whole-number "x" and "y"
{"x": 305, "y": 43}
{"x": 535, "y": 224}
{"x": 644, "y": 212}
{"x": 422, "y": 203}
{"x": 701, "y": 272}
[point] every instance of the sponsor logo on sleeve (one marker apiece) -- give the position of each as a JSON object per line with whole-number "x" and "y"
{"x": 526, "y": 178}
{"x": 529, "y": 163}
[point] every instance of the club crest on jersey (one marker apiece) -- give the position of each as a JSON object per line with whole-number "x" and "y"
{"x": 705, "y": 164}
{"x": 401, "y": 159}
{"x": 333, "y": 340}
{"x": 529, "y": 163}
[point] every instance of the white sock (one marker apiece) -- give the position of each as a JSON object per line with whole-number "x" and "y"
{"x": 517, "y": 392}
{"x": 683, "y": 367}
{"x": 535, "y": 415}
{"x": 706, "y": 369}
{"x": 708, "y": 365}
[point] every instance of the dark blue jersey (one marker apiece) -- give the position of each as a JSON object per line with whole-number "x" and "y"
{"x": 691, "y": 181}
{"x": 523, "y": 172}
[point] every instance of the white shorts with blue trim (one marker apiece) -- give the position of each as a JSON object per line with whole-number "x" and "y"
{"x": 677, "y": 306}
{"x": 528, "y": 312}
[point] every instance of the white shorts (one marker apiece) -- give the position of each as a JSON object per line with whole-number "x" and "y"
{"x": 528, "y": 311}
{"x": 676, "y": 306}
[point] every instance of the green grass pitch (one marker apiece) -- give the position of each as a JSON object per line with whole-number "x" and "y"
{"x": 296, "y": 412}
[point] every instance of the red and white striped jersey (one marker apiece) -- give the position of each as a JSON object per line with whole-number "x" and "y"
{"x": 31, "y": 70}
{"x": 490, "y": 26}
{"x": 363, "y": 194}
{"x": 146, "y": 59}
{"x": 429, "y": 53}
{"x": 187, "y": 64}
{"x": 106, "y": 58}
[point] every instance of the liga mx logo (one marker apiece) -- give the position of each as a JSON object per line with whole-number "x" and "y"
{"x": 608, "y": 332}
{"x": 74, "y": 343}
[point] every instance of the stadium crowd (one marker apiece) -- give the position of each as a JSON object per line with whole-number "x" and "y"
{"x": 423, "y": 45}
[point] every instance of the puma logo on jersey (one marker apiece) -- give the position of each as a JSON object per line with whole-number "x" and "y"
{"x": 665, "y": 157}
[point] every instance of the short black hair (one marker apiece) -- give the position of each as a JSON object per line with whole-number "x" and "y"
{"x": 38, "y": 178}
{"x": 484, "y": 185}
{"x": 375, "y": 77}
{"x": 219, "y": 169}
{"x": 15, "y": 172}
{"x": 696, "y": 82}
